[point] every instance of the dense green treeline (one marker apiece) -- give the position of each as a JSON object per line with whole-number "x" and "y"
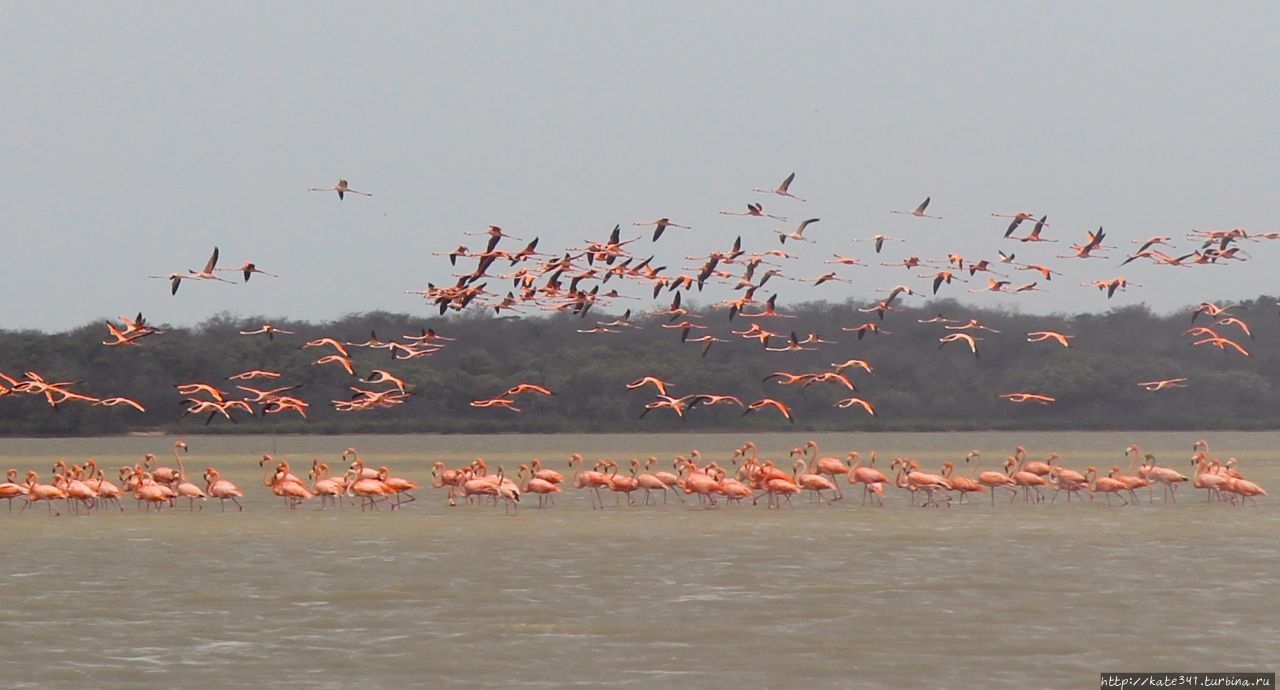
{"x": 916, "y": 385}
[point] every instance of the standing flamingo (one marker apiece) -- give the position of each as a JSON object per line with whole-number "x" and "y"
{"x": 1028, "y": 481}
{"x": 963, "y": 484}
{"x": 509, "y": 493}
{"x": 537, "y": 485}
{"x": 588, "y": 479}
{"x": 651, "y": 482}
{"x": 1106, "y": 485}
{"x": 865, "y": 475}
{"x": 991, "y": 479}
{"x": 42, "y": 492}
{"x": 221, "y": 489}
{"x": 402, "y": 487}
{"x": 11, "y": 489}
{"x": 810, "y": 482}
{"x": 1168, "y": 476}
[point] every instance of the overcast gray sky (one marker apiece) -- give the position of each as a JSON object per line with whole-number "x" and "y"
{"x": 136, "y": 136}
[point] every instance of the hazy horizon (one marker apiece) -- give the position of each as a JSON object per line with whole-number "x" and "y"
{"x": 141, "y": 136}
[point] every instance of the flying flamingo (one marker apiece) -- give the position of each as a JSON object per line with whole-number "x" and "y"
{"x": 756, "y": 210}
{"x": 782, "y": 189}
{"x": 248, "y": 269}
{"x": 660, "y": 225}
{"x": 341, "y": 188}
{"x": 919, "y": 210}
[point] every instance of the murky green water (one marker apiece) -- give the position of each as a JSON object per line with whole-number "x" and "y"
{"x": 673, "y": 596}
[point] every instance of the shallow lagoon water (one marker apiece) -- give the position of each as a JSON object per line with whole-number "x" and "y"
{"x": 669, "y": 596}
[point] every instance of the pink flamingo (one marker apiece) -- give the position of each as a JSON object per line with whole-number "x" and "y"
{"x": 537, "y": 485}
{"x": 221, "y": 489}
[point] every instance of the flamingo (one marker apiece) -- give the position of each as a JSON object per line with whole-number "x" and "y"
{"x": 963, "y": 484}
{"x": 588, "y": 479}
{"x": 1035, "y": 467}
{"x": 269, "y": 473}
{"x": 1131, "y": 482}
{"x": 342, "y": 188}
{"x": 811, "y": 482}
{"x": 1028, "y": 481}
{"x": 358, "y": 464}
{"x": 548, "y": 475}
{"x": 442, "y": 476}
{"x": 11, "y": 489}
{"x": 164, "y": 475}
{"x": 248, "y": 269}
{"x": 149, "y": 492}
{"x": 42, "y": 492}
{"x": 1204, "y": 477}
{"x": 402, "y": 487}
{"x": 292, "y": 490}
{"x": 651, "y": 482}
{"x": 1107, "y": 485}
{"x": 927, "y": 482}
{"x": 695, "y": 481}
{"x": 990, "y": 478}
{"x": 919, "y": 210}
{"x": 1170, "y": 477}
{"x": 534, "y": 484}
{"x": 108, "y": 492}
{"x": 76, "y": 489}
{"x": 867, "y": 476}
{"x": 509, "y": 493}
{"x": 777, "y": 488}
{"x": 371, "y": 491}
{"x": 326, "y": 487}
{"x": 221, "y": 489}
{"x": 184, "y": 488}
{"x": 829, "y": 466}
{"x": 782, "y": 189}
{"x": 1243, "y": 488}
{"x": 621, "y": 483}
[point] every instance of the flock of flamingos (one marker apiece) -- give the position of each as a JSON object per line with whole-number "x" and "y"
{"x": 85, "y": 487}
{"x": 574, "y": 281}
